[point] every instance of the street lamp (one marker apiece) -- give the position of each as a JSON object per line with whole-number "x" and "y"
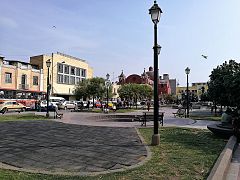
{"x": 108, "y": 83}
{"x": 187, "y": 71}
{"x": 48, "y": 63}
{"x": 159, "y": 49}
{"x": 155, "y": 12}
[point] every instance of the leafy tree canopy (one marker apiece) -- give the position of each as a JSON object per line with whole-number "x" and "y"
{"x": 135, "y": 92}
{"x": 224, "y": 84}
{"x": 91, "y": 88}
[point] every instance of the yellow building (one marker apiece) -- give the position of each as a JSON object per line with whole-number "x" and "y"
{"x": 19, "y": 80}
{"x": 65, "y": 72}
{"x": 196, "y": 88}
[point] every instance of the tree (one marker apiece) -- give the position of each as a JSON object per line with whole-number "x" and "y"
{"x": 224, "y": 87}
{"x": 204, "y": 97}
{"x": 135, "y": 92}
{"x": 125, "y": 92}
{"x": 170, "y": 98}
{"x": 145, "y": 91}
{"x": 91, "y": 88}
{"x": 96, "y": 88}
{"x": 81, "y": 90}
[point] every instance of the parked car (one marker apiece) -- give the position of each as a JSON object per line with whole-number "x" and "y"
{"x": 43, "y": 106}
{"x": 110, "y": 104}
{"x": 98, "y": 104}
{"x": 84, "y": 104}
{"x": 11, "y": 106}
{"x": 67, "y": 105}
{"x": 56, "y": 100}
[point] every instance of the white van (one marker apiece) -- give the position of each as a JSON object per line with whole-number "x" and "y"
{"x": 56, "y": 100}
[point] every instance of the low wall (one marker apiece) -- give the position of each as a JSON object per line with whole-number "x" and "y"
{"x": 221, "y": 166}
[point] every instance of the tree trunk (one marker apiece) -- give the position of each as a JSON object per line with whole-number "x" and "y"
{"x": 215, "y": 108}
{"x": 136, "y": 102}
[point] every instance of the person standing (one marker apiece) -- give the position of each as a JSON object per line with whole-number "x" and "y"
{"x": 148, "y": 105}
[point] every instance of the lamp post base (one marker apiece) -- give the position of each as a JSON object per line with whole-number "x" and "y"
{"x": 47, "y": 115}
{"x": 155, "y": 139}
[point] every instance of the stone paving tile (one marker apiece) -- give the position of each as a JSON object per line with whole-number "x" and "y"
{"x": 53, "y": 146}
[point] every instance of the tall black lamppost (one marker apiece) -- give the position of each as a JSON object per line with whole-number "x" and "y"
{"x": 187, "y": 71}
{"x": 107, "y": 86}
{"x": 48, "y": 63}
{"x": 155, "y": 12}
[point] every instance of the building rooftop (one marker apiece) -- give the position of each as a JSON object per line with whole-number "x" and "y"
{"x": 10, "y": 62}
{"x": 62, "y": 54}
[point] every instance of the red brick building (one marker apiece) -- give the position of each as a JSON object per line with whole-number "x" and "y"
{"x": 165, "y": 86}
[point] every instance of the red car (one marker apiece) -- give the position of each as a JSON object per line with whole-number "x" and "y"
{"x": 98, "y": 104}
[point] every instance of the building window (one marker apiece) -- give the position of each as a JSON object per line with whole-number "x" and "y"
{"x": 8, "y": 77}
{"x": 83, "y": 72}
{"x": 60, "y": 68}
{"x": 78, "y": 72}
{"x": 77, "y": 80}
{"x": 35, "y": 80}
{"x": 72, "y": 70}
{"x": 60, "y": 79}
{"x": 72, "y": 80}
{"x": 66, "y": 79}
{"x": 66, "y": 69}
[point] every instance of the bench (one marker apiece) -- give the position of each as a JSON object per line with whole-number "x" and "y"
{"x": 58, "y": 115}
{"x": 149, "y": 116}
{"x": 179, "y": 113}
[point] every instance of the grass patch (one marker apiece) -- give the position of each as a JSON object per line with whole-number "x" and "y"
{"x": 16, "y": 117}
{"x": 206, "y": 117}
{"x": 183, "y": 154}
{"x": 210, "y": 118}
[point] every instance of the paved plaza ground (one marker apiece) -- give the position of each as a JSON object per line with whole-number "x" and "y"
{"x": 80, "y": 143}
{"x": 92, "y": 119}
{"x": 57, "y": 147}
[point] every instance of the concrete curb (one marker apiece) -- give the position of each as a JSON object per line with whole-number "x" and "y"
{"x": 221, "y": 166}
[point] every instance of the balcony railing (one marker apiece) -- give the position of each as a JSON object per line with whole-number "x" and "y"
{"x": 23, "y": 86}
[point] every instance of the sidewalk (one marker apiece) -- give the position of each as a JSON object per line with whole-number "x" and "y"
{"x": 234, "y": 168}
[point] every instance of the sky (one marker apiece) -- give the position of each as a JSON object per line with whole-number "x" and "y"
{"x": 115, "y": 35}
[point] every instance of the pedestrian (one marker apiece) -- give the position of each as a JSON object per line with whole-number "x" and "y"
{"x": 211, "y": 108}
{"x": 39, "y": 106}
{"x": 81, "y": 105}
{"x": 114, "y": 108}
{"x": 148, "y": 105}
{"x": 88, "y": 104}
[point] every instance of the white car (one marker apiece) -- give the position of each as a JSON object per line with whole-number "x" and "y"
{"x": 43, "y": 104}
{"x": 67, "y": 105}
